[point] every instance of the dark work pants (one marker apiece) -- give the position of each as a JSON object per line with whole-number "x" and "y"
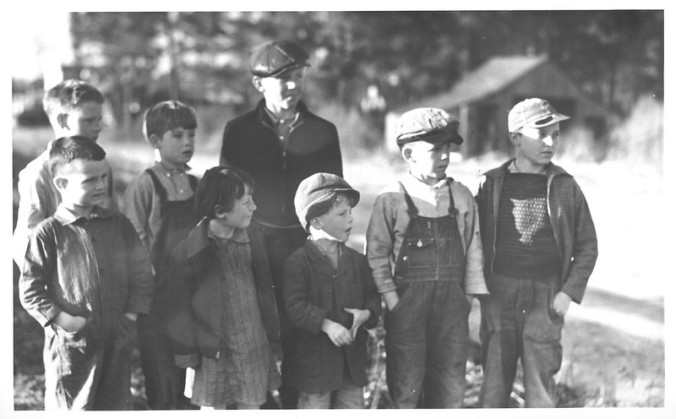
{"x": 518, "y": 322}
{"x": 89, "y": 369}
{"x": 164, "y": 381}
{"x": 426, "y": 339}
{"x": 280, "y": 244}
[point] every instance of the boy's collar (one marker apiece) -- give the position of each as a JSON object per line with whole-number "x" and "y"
{"x": 161, "y": 165}
{"x": 67, "y": 216}
{"x": 412, "y": 179}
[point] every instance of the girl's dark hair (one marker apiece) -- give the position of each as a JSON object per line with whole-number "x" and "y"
{"x": 220, "y": 186}
{"x": 66, "y": 149}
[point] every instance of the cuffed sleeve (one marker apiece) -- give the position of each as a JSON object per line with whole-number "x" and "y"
{"x": 475, "y": 283}
{"x": 372, "y": 300}
{"x": 187, "y": 361}
{"x": 138, "y": 203}
{"x": 140, "y": 272}
{"x": 380, "y": 245}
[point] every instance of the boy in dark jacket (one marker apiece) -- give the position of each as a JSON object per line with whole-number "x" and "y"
{"x": 539, "y": 251}
{"x": 329, "y": 295}
{"x": 85, "y": 280}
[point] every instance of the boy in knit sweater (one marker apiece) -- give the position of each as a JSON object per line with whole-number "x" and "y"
{"x": 539, "y": 251}
{"x": 424, "y": 248}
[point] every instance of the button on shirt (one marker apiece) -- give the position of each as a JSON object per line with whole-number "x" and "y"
{"x": 93, "y": 267}
{"x": 142, "y": 203}
{"x": 282, "y": 127}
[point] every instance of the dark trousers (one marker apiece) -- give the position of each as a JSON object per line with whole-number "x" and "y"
{"x": 518, "y": 322}
{"x": 280, "y": 244}
{"x": 89, "y": 369}
{"x": 164, "y": 381}
{"x": 427, "y": 337}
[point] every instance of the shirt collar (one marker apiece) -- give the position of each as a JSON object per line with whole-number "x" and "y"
{"x": 412, "y": 183}
{"x": 266, "y": 117}
{"x": 168, "y": 171}
{"x": 66, "y": 216}
{"x": 239, "y": 236}
{"x": 277, "y": 121}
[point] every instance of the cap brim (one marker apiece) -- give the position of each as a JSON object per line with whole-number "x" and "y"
{"x": 556, "y": 118}
{"x": 284, "y": 70}
{"x": 438, "y": 137}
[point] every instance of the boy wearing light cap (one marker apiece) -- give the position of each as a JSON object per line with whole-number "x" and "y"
{"x": 539, "y": 251}
{"x": 424, "y": 249}
{"x": 279, "y": 144}
{"x": 330, "y": 297}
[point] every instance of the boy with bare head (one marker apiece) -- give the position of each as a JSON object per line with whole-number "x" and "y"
{"x": 85, "y": 279}
{"x": 74, "y": 108}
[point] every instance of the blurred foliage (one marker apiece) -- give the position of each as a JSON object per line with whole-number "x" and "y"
{"x": 202, "y": 57}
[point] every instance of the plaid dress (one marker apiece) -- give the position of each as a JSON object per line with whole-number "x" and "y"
{"x": 246, "y": 369}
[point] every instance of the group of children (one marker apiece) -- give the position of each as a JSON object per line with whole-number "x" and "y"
{"x": 186, "y": 271}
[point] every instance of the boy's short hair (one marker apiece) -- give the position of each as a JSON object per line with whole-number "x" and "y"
{"x": 166, "y": 116}
{"x": 69, "y": 94}
{"x": 317, "y": 194}
{"x": 220, "y": 186}
{"x": 66, "y": 149}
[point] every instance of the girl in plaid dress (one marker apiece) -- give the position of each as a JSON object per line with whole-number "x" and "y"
{"x": 224, "y": 320}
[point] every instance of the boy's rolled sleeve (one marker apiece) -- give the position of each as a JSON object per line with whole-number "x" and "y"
{"x": 138, "y": 201}
{"x": 475, "y": 283}
{"x": 380, "y": 246}
{"x": 40, "y": 260}
{"x": 302, "y": 314}
{"x": 372, "y": 300}
{"x": 140, "y": 273}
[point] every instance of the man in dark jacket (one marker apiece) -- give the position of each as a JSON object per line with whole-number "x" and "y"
{"x": 539, "y": 250}
{"x": 280, "y": 143}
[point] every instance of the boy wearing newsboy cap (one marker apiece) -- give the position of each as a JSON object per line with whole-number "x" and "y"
{"x": 330, "y": 298}
{"x": 424, "y": 249}
{"x": 539, "y": 251}
{"x": 279, "y": 144}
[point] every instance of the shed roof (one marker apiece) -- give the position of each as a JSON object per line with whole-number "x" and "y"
{"x": 493, "y": 76}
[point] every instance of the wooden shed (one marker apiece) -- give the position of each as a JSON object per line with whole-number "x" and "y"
{"x": 482, "y": 99}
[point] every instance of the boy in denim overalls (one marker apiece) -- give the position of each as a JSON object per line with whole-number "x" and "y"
{"x": 160, "y": 205}
{"x": 424, "y": 247}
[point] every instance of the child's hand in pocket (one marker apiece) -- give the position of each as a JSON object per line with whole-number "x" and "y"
{"x": 338, "y": 334}
{"x": 71, "y": 324}
{"x": 360, "y": 316}
{"x": 561, "y": 303}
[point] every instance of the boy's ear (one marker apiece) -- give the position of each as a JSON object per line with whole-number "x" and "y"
{"x": 515, "y": 138}
{"x": 62, "y": 120}
{"x": 60, "y": 183}
{"x": 406, "y": 152}
{"x": 256, "y": 81}
{"x": 316, "y": 224}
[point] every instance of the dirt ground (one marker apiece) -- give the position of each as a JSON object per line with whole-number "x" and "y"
{"x": 614, "y": 352}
